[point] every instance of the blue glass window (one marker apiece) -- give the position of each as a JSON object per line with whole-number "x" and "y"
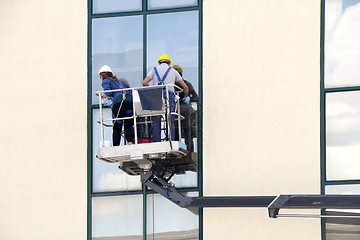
{"x": 160, "y": 4}
{"x": 342, "y": 48}
{"x": 110, "y": 6}
{"x": 177, "y": 35}
{"x": 117, "y": 216}
{"x": 117, "y": 42}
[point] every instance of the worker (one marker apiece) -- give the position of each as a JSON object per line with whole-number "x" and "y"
{"x": 192, "y": 93}
{"x": 121, "y": 106}
{"x": 188, "y": 125}
{"x": 165, "y": 75}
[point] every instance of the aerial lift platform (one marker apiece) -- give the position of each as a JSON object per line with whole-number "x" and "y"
{"x": 158, "y": 162}
{"x": 165, "y": 158}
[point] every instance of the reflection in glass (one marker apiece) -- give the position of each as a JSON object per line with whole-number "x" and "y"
{"x": 107, "y": 177}
{"x": 159, "y": 4}
{"x": 343, "y": 135}
{"x": 178, "y": 38}
{"x": 120, "y": 216}
{"x": 110, "y": 6}
{"x": 348, "y": 189}
{"x": 343, "y": 228}
{"x": 342, "y": 48}
{"x": 117, "y": 42}
{"x": 165, "y": 220}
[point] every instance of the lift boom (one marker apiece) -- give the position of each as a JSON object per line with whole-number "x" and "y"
{"x": 273, "y": 203}
{"x": 157, "y": 162}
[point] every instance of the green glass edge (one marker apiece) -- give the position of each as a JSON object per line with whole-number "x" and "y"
{"x": 200, "y": 118}
{"x": 322, "y": 112}
{"x": 121, "y": 14}
{"x": 89, "y": 127}
{"x": 342, "y": 89}
{"x": 341, "y": 182}
{"x": 144, "y": 212}
{"x": 116, "y": 193}
{"x": 144, "y": 7}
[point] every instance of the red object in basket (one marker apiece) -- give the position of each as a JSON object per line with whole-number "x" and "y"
{"x": 143, "y": 140}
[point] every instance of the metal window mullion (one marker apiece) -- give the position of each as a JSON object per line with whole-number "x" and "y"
{"x": 144, "y": 211}
{"x": 342, "y": 89}
{"x": 89, "y": 128}
{"x": 172, "y": 10}
{"x": 322, "y": 114}
{"x": 116, "y": 14}
{"x": 342, "y": 182}
{"x": 116, "y": 193}
{"x": 143, "y": 12}
{"x": 200, "y": 118}
{"x": 144, "y": 8}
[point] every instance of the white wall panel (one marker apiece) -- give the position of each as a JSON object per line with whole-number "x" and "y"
{"x": 43, "y": 140}
{"x": 261, "y": 74}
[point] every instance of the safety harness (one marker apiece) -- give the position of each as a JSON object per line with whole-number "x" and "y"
{"x": 161, "y": 80}
{"x": 123, "y": 99}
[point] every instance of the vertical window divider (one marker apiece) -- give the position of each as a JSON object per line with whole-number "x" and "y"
{"x": 144, "y": 212}
{"x": 322, "y": 113}
{"x": 144, "y": 6}
{"x": 200, "y": 120}
{"x": 144, "y": 9}
{"x": 89, "y": 126}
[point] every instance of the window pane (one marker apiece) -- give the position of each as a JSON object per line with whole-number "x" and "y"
{"x": 120, "y": 216}
{"x": 117, "y": 42}
{"x": 107, "y": 177}
{"x": 342, "y": 48}
{"x": 158, "y": 4}
{"x": 109, "y": 6}
{"x": 348, "y": 189}
{"x": 342, "y": 228}
{"x": 342, "y": 135}
{"x": 178, "y": 38}
{"x": 165, "y": 220}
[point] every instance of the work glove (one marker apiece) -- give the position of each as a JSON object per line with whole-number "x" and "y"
{"x": 107, "y": 103}
{"x": 186, "y": 100}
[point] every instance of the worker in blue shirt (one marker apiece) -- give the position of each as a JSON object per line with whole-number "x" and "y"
{"x": 164, "y": 74}
{"x": 122, "y": 105}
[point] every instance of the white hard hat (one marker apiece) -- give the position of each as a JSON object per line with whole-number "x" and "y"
{"x": 105, "y": 68}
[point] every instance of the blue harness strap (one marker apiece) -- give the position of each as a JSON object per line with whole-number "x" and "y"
{"x": 161, "y": 80}
{"x": 119, "y": 85}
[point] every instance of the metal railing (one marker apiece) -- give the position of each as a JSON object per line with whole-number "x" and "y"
{"x": 102, "y": 95}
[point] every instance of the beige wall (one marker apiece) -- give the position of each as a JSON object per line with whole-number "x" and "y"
{"x": 260, "y": 56}
{"x": 43, "y": 57}
{"x": 261, "y": 77}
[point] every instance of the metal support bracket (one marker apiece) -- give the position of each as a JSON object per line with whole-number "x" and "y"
{"x": 312, "y": 202}
{"x": 276, "y": 204}
{"x": 165, "y": 188}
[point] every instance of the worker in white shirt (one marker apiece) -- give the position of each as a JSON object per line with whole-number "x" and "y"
{"x": 164, "y": 74}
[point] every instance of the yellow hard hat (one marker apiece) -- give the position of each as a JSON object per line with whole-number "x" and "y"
{"x": 178, "y": 68}
{"x": 164, "y": 57}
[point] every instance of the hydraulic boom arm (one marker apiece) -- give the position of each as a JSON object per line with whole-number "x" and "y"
{"x": 273, "y": 203}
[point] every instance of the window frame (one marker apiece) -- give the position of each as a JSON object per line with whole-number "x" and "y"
{"x": 91, "y": 107}
{"x": 323, "y": 93}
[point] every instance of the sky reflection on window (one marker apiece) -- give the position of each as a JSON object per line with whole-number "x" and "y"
{"x": 343, "y": 135}
{"x": 342, "y": 38}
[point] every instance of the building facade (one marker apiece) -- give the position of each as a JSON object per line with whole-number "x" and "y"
{"x": 277, "y": 114}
